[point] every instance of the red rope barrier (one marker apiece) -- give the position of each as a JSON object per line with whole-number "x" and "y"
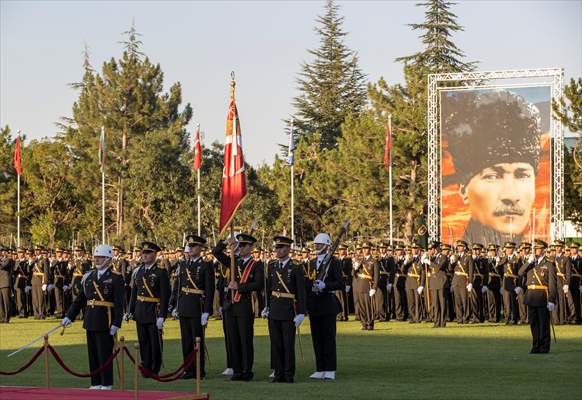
{"x": 77, "y": 374}
{"x": 27, "y": 365}
{"x": 169, "y": 377}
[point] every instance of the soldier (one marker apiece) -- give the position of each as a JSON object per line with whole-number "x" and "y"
{"x": 400, "y": 304}
{"x": 366, "y": 275}
{"x": 342, "y": 295}
{"x": 102, "y": 298}
{"x": 222, "y": 275}
{"x": 285, "y": 309}
{"x": 524, "y": 253}
{"x": 322, "y": 307}
{"x": 565, "y": 310}
{"x": 435, "y": 274}
{"x": 238, "y": 308}
{"x": 462, "y": 267}
{"x": 381, "y": 296}
{"x": 6, "y": 267}
{"x": 119, "y": 264}
{"x": 59, "y": 277}
{"x": 148, "y": 306}
{"x": 540, "y": 296}
{"x": 493, "y": 285}
{"x": 508, "y": 268}
{"x": 39, "y": 268}
{"x": 576, "y": 281}
{"x": 21, "y": 284}
{"x": 412, "y": 268}
{"x": 191, "y": 300}
{"x": 79, "y": 266}
{"x": 478, "y": 277}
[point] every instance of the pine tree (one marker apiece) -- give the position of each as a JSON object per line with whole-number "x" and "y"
{"x": 7, "y": 185}
{"x": 332, "y": 86}
{"x": 569, "y": 109}
{"x": 440, "y": 54}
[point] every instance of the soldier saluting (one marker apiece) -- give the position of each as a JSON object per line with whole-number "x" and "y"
{"x": 148, "y": 306}
{"x": 191, "y": 300}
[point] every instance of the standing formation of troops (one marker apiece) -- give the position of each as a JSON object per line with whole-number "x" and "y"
{"x": 237, "y": 282}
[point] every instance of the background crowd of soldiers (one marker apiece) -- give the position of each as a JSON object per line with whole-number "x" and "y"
{"x": 473, "y": 283}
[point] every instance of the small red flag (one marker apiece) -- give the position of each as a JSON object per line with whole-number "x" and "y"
{"x": 197, "y": 156}
{"x": 387, "y": 160}
{"x": 234, "y": 188}
{"x": 17, "y": 163}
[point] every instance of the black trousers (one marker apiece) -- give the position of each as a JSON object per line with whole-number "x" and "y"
{"x": 476, "y": 304}
{"x": 493, "y": 305}
{"x": 438, "y": 305}
{"x": 343, "y": 302}
{"x": 150, "y": 346}
{"x": 539, "y": 320}
{"x": 381, "y": 298}
{"x": 461, "y": 303}
{"x": 59, "y": 302}
{"x": 226, "y": 341}
{"x": 282, "y": 348}
{"x": 190, "y": 329}
{"x": 4, "y": 304}
{"x": 100, "y": 347}
{"x": 510, "y": 305}
{"x": 21, "y": 302}
{"x": 240, "y": 332}
{"x": 400, "y": 304}
{"x": 323, "y": 329}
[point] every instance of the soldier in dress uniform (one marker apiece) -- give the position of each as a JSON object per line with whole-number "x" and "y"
{"x": 102, "y": 298}
{"x": 191, "y": 301}
{"x": 238, "y": 309}
{"x": 342, "y": 295}
{"x": 121, "y": 265}
{"x": 412, "y": 268}
{"x": 21, "y": 283}
{"x": 493, "y": 285}
{"x": 148, "y": 306}
{"x": 565, "y": 310}
{"x": 389, "y": 267}
{"x": 6, "y": 268}
{"x": 366, "y": 274}
{"x": 222, "y": 275}
{"x": 508, "y": 268}
{"x": 540, "y": 296}
{"x": 79, "y": 267}
{"x": 524, "y": 253}
{"x": 322, "y": 307}
{"x": 400, "y": 304}
{"x": 40, "y": 270}
{"x": 461, "y": 264}
{"x": 59, "y": 278}
{"x": 381, "y": 295}
{"x": 434, "y": 275}
{"x": 576, "y": 281}
{"x": 478, "y": 277}
{"x": 286, "y": 305}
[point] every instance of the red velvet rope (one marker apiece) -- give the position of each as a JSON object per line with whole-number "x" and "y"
{"x": 27, "y": 365}
{"x": 172, "y": 376}
{"x": 77, "y": 374}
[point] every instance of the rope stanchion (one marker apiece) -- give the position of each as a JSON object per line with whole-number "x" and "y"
{"x": 122, "y": 365}
{"x": 46, "y": 362}
{"x": 136, "y": 362}
{"x": 80, "y": 375}
{"x": 27, "y": 365}
{"x": 172, "y": 376}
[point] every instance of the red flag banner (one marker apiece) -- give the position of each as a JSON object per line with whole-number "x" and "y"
{"x": 197, "y": 156}
{"x": 17, "y": 162}
{"x": 234, "y": 187}
{"x": 387, "y": 160}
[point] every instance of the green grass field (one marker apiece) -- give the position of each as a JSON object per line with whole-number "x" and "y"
{"x": 396, "y": 361}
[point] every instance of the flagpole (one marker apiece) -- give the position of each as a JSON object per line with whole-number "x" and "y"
{"x": 18, "y": 202}
{"x": 390, "y": 175}
{"x": 292, "y": 187}
{"x": 198, "y": 192}
{"x": 103, "y": 188}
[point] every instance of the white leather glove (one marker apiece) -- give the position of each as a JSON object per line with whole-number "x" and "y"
{"x": 484, "y": 289}
{"x": 372, "y": 292}
{"x": 320, "y": 285}
{"x": 65, "y": 287}
{"x": 204, "y": 319}
{"x": 453, "y": 259}
{"x": 265, "y": 313}
{"x": 113, "y": 330}
{"x": 501, "y": 291}
{"x": 389, "y": 287}
{"x": 565, "y": 288}
{"x": 50, "y": 287}
{"x": 420, "y": 289}
{"x": 580, "y": 288}
{"x": 160, "y": 323}
{"x": 220, "y": 310}
{"x": 66, "y": 321}
{"x": 175, "y": 313}
{"x": 451, "y": 288}
{"x": 531, "y": 259}
{"x": 497, "y": 259}
{"x": 470, "y": 287}
{"x": 518, "y": 290}
{"x": 426, "y": 261}
{"x": 27, "y": 289}
{"x": 298, "y": 320}
{"x": 43, "y": 287}
{"x": 348, "y": 287}
{"x": 127, "y": 317}
{"x": 551, "y": 307}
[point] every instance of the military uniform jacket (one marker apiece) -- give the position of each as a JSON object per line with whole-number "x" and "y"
{"x": 282, "y": 283}
{"x": 40, "y": 271}
{"x": 576, "y": 275}
{"x": 413, "y": 269}
{"x": 102, "y": 300}
{"x": 193, "y": 290}
{"x": 508, "y": 268}
{"x": 386, "y": 270}
{"x": 59, "y": 273}
{"x": 493, "y": 281}
{"x": 400, "y": 273}
{"x": 21, "y": 274}
{"x": 6, "y": 267}
{"x": 541, "y": 282}
{"x": 80, "y": 268}
{"x": 368, "y": 269}
{"x": 346, "y": 268}
{"x": 243, "y": 307}
{"x": 480, "y": 272}
{"x": 150, "y": 294}
{"x": 437, "y": 272}
{"x": 462, "y": 269}
{"x": 120, "y": 265}
{"x": 324, "y": 302}
{"x": 563, "y": 269}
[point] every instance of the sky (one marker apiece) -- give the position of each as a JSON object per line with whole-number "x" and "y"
{"x": 199, "y": 43}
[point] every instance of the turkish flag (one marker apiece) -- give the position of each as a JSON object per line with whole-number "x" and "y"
{"x": 17, "y": 163}
{"x": 197, "y": 156}
{"x": 234, "y": 188}
{"x": 387, "y": 160}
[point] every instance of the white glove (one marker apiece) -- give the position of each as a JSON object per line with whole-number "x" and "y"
{"x": 175, "y": 313}
{"x": 65, "y": 287}
{"x": 348, "y": 287}
{"x": 160, "y": 323}
{"x": 531, "y": 259}
{"x": 265, "y": 313}
{"x": 66, "y": 321}
{"x": 470, "y": 287}
{"x": 420, "y": 289}
{"x": 298, "y": 320}
{"x": 565, "y": 288}
{"x": 113, "y": 330}
{"x": 127, "y": 317}
{"x": 27, "y": 289}
{"x": 204, "y": 319}
{"x": 580, "y": 288}
{"x": 389, "y": 287}
{"x": 320, "y": 285}
{"x": 372, "y": 292}
{"x": 44, "y": 287}
{"x": 50, "y": 287}
{"x": 220, "y": 310}
{"x": 551, "y": 307}
{"x": 501, "y": 291}
{"x": 451, "y": 288}
{"x": 497, "y": 259}
{"x": 453, "y": 259}
{"x": 518, "y": 290}
{"x": 484, "y": 289}
{"x": 426, "y": 261}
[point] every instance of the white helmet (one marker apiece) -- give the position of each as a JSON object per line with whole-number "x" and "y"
{"x": 322, "y": 238}
{"x": 103, "y": 250}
